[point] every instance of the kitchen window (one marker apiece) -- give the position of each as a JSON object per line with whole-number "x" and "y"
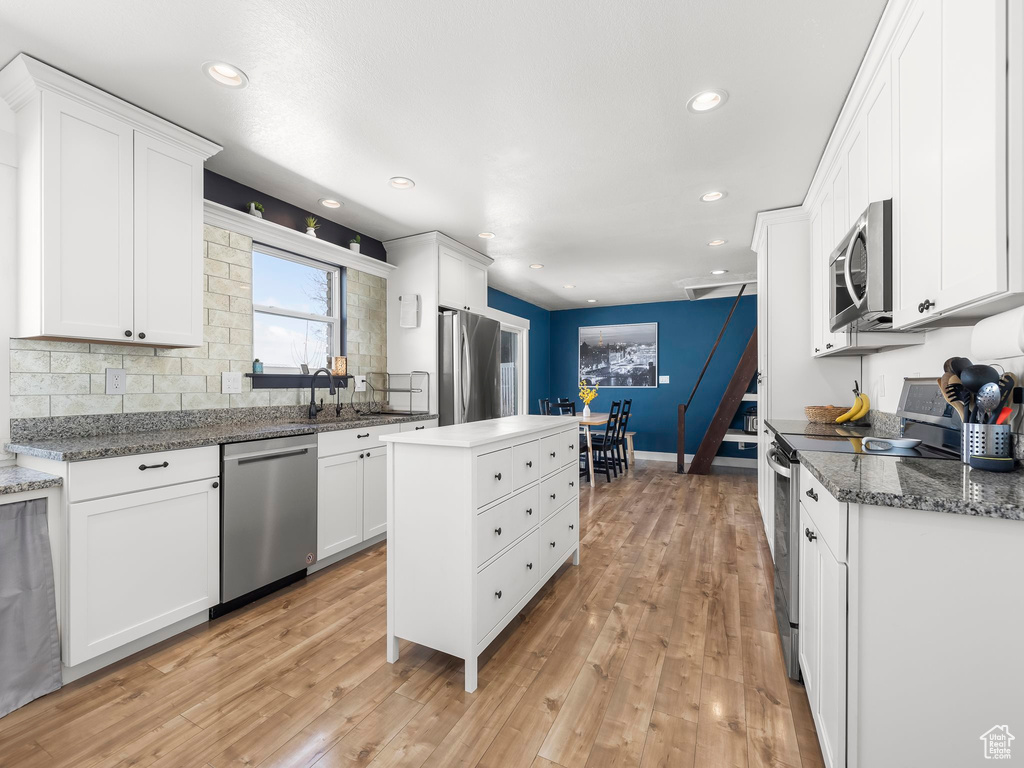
{"x": 296, "y": 303}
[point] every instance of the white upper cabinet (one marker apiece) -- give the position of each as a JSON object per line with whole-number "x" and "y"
{"x": 110, "y": 205}
{"x": 461, "y": 281}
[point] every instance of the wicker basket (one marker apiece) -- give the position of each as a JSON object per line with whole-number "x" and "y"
{"x": 823, "y": 414}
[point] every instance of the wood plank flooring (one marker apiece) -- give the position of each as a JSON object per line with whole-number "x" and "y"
{"x": 658, "y": 650}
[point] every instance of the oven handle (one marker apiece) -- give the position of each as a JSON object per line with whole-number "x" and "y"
{"x": 858, "y": 301}
{"x": 778, "y": 468}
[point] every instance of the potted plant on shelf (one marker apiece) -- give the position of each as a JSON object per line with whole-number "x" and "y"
{"x": 587, "y": 394}
{"x": 256, "y": 209}
{"x": 312, "y": 225}
{"x": 353, "y": 244}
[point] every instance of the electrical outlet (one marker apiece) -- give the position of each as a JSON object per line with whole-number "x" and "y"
{"x": 663, "y": 379}
{"x": 115, "y": 381}
{"x": 360, "y": 383}
{"x": 231, "y": 382}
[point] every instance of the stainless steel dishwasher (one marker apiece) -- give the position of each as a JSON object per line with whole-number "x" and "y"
{"x": 268, "y": 517}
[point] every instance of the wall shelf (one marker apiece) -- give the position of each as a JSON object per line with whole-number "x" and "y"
{"x": 293, "y": 381}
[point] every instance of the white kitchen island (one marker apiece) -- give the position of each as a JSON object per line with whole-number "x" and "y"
{"x": 480, "y": 516}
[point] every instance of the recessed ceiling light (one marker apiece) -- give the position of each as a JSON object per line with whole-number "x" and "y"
{"x": 536, "y": 266}
{"x": 401, "y": 182}
{"x": 225, "y": 74}
{"x": 486, "y": 235}
{"x": 719, "y": 271}
{"x": 591, "y": 301}
{"x": 716, "y": 242}
{"x": 327, "y": 202}
{"x": 568, "y": 286}
{"x": 710, "y": 197}
{"x": 707, "y": 100}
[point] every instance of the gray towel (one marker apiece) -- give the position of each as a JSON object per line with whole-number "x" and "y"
{"x": 29, "y": 645}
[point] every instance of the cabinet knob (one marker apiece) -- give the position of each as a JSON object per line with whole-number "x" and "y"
{"x": 216, "y": 485}
{"x": 552, "y": 454}
{"x": 529, "y": 566}
{"x": 811, "y": 494}
{"x": 571, "y": 446}
{"x": 142, "y": 335}
{"x": 367, "y": 454}
{"x": 572, "y": 483}
{"x": 552, "y": 495}
{"x": 529, "y": 463}
{"x": 811, "y": 535}
{"x": 828, "y": 346}
{"x": 529, "y": 511}
{"x": 925, "y": 305}
{"x": 498, "y": 530}
{"x": 572, "y": 526}
{"x": 552, "y": 543}
{"x": 498, "y": 594}
{"x": 817, "y": 350}
{"x": 128, "y": 334}
{"x": 362, "y": 455}
{"x": 498, "y": 477}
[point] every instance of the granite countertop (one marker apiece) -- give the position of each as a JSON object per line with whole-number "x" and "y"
{"x": 930, "y": 484}
{"x": 130, "y": 443}
{"x": 21, "y": 479}
{"x": 800, "y": 427}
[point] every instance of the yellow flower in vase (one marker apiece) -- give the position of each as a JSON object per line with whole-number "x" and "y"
{"x": 587, "y": 395}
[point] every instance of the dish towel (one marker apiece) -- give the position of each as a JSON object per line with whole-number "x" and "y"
{"x": 29, "y": 645}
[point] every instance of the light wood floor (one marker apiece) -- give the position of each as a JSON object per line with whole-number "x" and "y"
{"x": 659, "y": 650}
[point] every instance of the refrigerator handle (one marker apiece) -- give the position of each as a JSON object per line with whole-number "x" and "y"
{"x": 467, "y": 378}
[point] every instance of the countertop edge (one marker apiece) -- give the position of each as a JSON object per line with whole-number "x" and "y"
{"x": 15, "y": 479}
{"x": 433, "y": 439}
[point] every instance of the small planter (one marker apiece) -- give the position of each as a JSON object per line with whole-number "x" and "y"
{"x": 354, "y": 247}
{"x": 310, "y": 231}
{"x": 257, "y": 366}
{"x": 254, "y": 211}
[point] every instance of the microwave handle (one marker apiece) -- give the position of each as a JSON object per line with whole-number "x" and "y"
{"x": 858, "y": 301}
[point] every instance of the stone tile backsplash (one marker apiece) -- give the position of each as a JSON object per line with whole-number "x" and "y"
{"x": 67, "y": 378}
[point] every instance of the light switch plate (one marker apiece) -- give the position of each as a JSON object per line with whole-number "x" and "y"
{"x": 360, "y": 383}
{"x": 115, "y": 381}
{"x": 663, "y": 379}
{"x": 231, "y": 382}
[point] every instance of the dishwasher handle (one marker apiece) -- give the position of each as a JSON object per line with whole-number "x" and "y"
{"x": 247, "y": 458}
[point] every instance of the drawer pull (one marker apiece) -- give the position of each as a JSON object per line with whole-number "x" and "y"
{"x": 529, "y": 463}
{"x": 529, "y": 566}
{"x": 552, "y": 495}
{"x": 362, "y": 455}
{"x": 128, "y": 334}
{"x": 498, "y": 594}
{"x": 529, "y": 511}
{"x": 153, "y": 466}
{"x": 552, "y": 543}
{"x": 498, "y": 477}
{"x": 571, "y": 446}
{"x": 367, "y": 454}
{"x": 498, "y": 530}
{"x": 216, "y": 485}
{"x": 419, "y": 428}
{"x": 142, "y": 335}
{"x": 811, "y": 535}
{"x": 552, "y": 454}
{"x": 572, "y": 483}
{"x": 572, "y": 526}
{"x": 811, "y": 494}
{"x": 362, "y": 436}
{"x": 925, "y": 305}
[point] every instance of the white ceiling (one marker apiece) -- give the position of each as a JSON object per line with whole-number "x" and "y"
{"x": 560, "y": 126}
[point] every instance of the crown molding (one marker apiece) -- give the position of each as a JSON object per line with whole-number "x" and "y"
{"x": 24, "y": 77}
{"x": 276, "y": 236}
{"x": 778, "y": 216}
{"x": 439, "y": 238}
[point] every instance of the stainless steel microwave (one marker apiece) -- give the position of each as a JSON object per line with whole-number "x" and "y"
{"x": 860, "y": 273}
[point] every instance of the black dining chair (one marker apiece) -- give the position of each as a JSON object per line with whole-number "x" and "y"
{"x": 604, "y": 444}
{"x": 545, "y": 406}
{"x": 621, "y": 455}
{"x": 564, "y": 407}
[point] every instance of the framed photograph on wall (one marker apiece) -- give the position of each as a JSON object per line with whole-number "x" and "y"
{"x": 619, "y": 355}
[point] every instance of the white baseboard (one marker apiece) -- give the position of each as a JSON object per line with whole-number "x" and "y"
{"x": 337, "y": 557}
{"x": 718, "y": 461}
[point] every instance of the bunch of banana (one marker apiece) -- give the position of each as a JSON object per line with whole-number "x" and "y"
{"x": 860, "y": 408}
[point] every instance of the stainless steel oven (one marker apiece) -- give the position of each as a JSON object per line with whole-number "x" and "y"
{"x": 782, "y": 459}
{"x": 860, "y": 273}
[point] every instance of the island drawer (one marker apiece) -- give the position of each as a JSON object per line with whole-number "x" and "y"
{"x": 345, "y": 440}
{"x": 505, "y": 522}
{"x": 558, "y": 489}
{"x": 505, "y": 582}
{"x": 525, "y": 463}
{"x": 829, "y": 513}
{"x": 125, "y": 474}
{"x": 553, "y": 452}
{"x": 493, "y": 476}
{"x": 558, "y": 535}
{"x": 571, "y": 438}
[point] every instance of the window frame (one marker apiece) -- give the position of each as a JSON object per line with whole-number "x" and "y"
{"x": 335, "y": 320}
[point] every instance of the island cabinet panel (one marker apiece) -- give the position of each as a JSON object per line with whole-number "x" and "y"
{"x": 473, "y": 530}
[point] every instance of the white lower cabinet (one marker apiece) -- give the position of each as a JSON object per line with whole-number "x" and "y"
{"x": 375, "y": 492}
{"x": 339, "y": 519}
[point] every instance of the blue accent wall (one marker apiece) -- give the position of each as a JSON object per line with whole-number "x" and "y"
{"x": 540, "y": 340}
{"x": 686, "y": 333}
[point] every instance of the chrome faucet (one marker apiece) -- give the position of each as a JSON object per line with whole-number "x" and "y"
{"x": 314, "y": 409}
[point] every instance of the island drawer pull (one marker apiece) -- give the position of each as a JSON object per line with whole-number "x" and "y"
{"x": 498, "y": 530}
{"x": 153, "y": 466}
{"x": 497, "y": 477}
{"x": 811, "y": 494}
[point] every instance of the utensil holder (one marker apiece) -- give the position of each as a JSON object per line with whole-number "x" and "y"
{"x": 984, "y": 440}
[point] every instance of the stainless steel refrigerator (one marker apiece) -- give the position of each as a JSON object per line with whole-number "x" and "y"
{"x": 469, "y": 349}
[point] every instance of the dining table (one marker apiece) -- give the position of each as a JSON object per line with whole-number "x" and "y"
{"x": 599, "y": 420}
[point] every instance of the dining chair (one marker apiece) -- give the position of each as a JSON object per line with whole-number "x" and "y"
{"x": 564, "y": 407}
{"x": 603, "y": 445}
{"x": 621, "y": 457}
{"x": 545, "y": 406}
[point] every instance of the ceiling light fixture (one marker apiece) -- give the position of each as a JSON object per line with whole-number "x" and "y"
{"x": 707, "y": 100}
{"x": 401, "y": 182}
{"x": 568, "y": 286}
{"x": 711, "y": 197}
{"x": 225, "y": 74}
{"x": 536, "y": 266}
{"x": 719, "y": 271}
{"x": 591, "y": 301}
{"x": 716, "y": 243}
{"x": 327, "y": 202}
{"x": 486, "y": 235}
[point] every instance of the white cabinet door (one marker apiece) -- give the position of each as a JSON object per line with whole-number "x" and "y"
{"x": 857, "y": 171}
{"x": 375, "y": 492}
{"x": 168, "y": 244}
{"x": 819, "y": 322}
{"x": 475, "y": 282}
{"x": 339, "y": 503}
{"x": 830, "y": 703}
{"x": 878, "y": 124}
{"x": 808, "y": 601}
{"x": 87, "y": 222}
{"x": 917, "y": 181}
{"x": 451, "y": 289}
{"x": 140, "y": 562}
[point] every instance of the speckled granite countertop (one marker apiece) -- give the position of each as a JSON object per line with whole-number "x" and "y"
{"x": 798, "y": 427}
{"x": 20, "y": 479}
{"x": 82, "y": 448}
{"x": 928, "y": 484}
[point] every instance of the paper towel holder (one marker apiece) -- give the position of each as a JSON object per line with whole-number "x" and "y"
{"x": 409, "y": 310}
